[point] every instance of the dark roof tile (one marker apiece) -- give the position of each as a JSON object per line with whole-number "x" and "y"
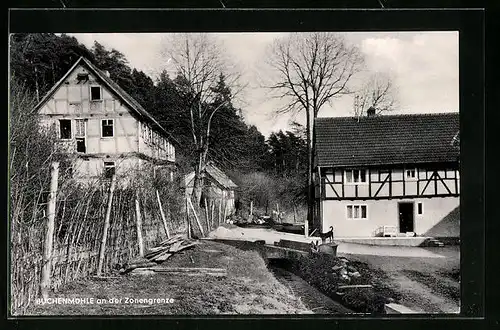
{"x": 382, "y": 140}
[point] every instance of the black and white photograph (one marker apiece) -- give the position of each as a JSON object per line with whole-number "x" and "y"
{"x": 234, "y": 173}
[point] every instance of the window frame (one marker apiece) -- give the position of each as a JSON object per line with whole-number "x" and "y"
{"x": 420, "y": 207}
{"x": 100, "y": 93}
{"x": 353, "y": 206}
{"x": 70, "y": 130}
{"x": 415, "y": 174}
{"x": 102, "y": 129}
{"x": 106, "y": 166}
{"x": 352, "y": 176}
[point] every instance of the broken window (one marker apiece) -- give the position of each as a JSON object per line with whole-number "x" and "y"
{"x": 107, "y": 128}
{"x": 95, "y": 93}
{"x": 80, "y": 145}
{"x": 82, "y": 77}
{"x": 109, "y": 169}
{"x": 65, "y": 129}
{"x": 80, "y": 134}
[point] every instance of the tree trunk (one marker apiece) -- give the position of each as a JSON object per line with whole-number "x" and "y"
{"x": 199, "y": 174}
{"x": 310, "y": 187}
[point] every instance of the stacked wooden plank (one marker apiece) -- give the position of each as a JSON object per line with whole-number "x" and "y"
{"x": 160, "y": 253}
{"x": 184, "y": 271}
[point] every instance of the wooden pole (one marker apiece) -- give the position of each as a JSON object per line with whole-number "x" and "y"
{"x": 206, "y": 215}
{"x": 196, "y": 217}
{"x": 220, "y": 211}
{"x": 106, "y": 226}
{"x": 225, "y": 207}
{"x": 162, "y": 214}
{"x": 49, "y": 233}
{"x": 278, "y": 212}
{"x": 251, "y": 208}
{"x": 212, "y": 203}
{"x": 188, "y": 224}
{"x": 139, "y": 224}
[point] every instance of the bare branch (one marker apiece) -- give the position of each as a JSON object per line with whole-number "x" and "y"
{"x": 378, "y": 92}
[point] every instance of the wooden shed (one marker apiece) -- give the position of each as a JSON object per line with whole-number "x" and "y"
{"x": 217, "y": 187}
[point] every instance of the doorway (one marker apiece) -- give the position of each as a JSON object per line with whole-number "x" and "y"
{"x": 405, "y": 217}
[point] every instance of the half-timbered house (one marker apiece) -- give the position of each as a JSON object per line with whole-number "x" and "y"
{"x": 377, "y": 173}
{"x": 101, "y": 128}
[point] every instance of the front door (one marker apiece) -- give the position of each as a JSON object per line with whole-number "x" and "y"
{"x": 405, "y": 217}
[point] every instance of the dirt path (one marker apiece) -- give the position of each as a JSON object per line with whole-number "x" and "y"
{"x": 249, "y": 288}
{"x": 427, "y": 285}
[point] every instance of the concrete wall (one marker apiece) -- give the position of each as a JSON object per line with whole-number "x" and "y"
{"x": 436, "y": 213}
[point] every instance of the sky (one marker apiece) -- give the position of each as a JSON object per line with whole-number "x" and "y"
{"x": 423, "y": 65}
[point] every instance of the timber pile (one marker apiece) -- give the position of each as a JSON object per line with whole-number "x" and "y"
{"x": 160, "y": 253}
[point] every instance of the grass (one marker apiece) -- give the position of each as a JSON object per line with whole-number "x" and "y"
{"x": 249, "y": 288}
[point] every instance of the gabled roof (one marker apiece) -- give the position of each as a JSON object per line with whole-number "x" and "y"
{"x": 216, "y": 174}
{"x": 385, "y": 140}
{"x": 122, "y": 94}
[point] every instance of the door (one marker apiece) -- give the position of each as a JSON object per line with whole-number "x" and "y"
{"x": 405, "y": 217}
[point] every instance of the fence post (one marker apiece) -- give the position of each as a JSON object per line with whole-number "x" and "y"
{"x": 106, "y": 225}
{"x": 162, "y": 214}
{"x": 212, "y": 203}
{"x": 196, "y": 217}
{"x": 139, "y": 224}
{"x": 209, "y": 226}
{"x": 188, "y": 224}
{"x": 220, "y": 211}
{"x": 49, "y": 234}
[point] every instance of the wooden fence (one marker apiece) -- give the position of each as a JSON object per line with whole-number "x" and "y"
{"x": 63, "y": 237}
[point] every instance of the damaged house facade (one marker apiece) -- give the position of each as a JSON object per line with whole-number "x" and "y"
{"x": 394, "y": 175}
{"x": 101, "y": 128}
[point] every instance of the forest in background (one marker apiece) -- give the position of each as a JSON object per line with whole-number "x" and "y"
{"x": 268, "y": 171}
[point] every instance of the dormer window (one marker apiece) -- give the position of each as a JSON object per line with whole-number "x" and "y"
{"x": 95, "y": 93}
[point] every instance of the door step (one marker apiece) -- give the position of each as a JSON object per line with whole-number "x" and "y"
{"x": 432, "y": 242}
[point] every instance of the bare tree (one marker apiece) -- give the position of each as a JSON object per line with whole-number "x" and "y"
{"x": 378, "y": 92}
{"x": 199, "y": 60}
{"x": 311, "y": 70}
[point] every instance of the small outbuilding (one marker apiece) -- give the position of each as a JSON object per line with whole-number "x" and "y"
{"x": 218, "y": 187}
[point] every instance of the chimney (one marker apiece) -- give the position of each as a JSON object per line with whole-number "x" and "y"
{"x": 370, "y": 112}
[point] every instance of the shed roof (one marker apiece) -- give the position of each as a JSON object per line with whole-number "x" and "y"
{"x": 384, "y": 140}
{"x": 216, "y": 174}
